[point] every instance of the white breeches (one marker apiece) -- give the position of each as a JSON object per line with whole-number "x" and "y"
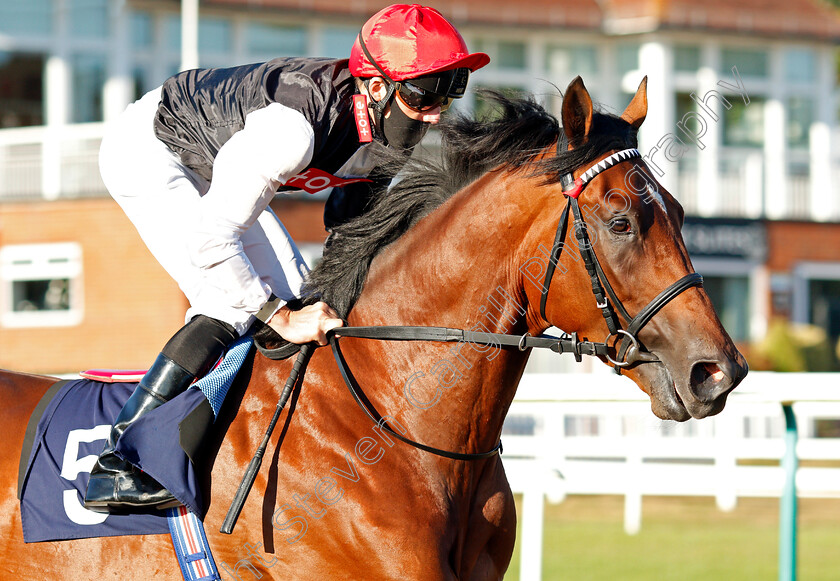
{"x": 227, "y": 253}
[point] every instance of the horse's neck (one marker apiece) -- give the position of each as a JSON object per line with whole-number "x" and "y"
{"x": 453, "y": 269}
{"x": 444, "y": 268}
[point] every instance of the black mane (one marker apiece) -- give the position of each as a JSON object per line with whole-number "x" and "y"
{"x": 510, "y": 137}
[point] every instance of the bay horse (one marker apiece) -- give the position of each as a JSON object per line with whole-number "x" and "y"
{"x": 455, "y": 246}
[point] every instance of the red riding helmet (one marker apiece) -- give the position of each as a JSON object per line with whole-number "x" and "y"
{"x": 411, "y": 41}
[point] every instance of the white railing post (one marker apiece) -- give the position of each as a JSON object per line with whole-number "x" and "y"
{"x": 119, "y": 87}
{"x": 533, "y": 504}
{"x": 726, "y": 434}
{"x": 777, "y": 200}
{"x": 754, "y": 185}
{"x": 633, "y": 491}
{"x": 189, "y": 35}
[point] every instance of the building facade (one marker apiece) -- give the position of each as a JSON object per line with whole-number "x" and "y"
{"x": 742, "y": 128}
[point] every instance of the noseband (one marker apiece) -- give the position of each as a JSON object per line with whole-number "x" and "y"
{"x": 630, "y": 349}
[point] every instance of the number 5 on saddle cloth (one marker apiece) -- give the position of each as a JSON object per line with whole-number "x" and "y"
{"x": 66, "y": 433}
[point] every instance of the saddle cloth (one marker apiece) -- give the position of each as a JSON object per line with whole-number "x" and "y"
{"x": 71, "y": 433}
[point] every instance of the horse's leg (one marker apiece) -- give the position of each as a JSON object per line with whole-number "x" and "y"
{"x": 492, "y": 527}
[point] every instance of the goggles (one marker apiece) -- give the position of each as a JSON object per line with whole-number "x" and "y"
{"x": 420, "y": 99}
{"x": 438, "y": 90}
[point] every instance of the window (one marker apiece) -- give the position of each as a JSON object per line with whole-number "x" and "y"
{"x": 172, "y": 31}
{"x": 142, "y": 80}
{"x": 627, "y": 57}
{"x": 816, "y": 301}
{"x": 337, "y": 42}
{"x": 88, "y": 18}
{"x": 26, "y": 17}
{"x": 800, "y": 115}
{"x": 824, "y": 306}
{"x": 730, "y": 297}
{"x": 574, "y": 60}
{"x": 214, "y": 35}
{"x": 743, "y": 125}
{"x": 88, "y": 84}
{"x": 42, "y": 285}
{"x": 276, "y": 41}
{"x": 685, "y": 105}
{"x": 686, "y": 58}
{"x": 504, "y": 54}
{"x": 800, "y": 65}
{"x": 142, "y": 30}
{"x": 21, "y": 89}
{"x": 750, "y": 62}
{"x": 512, "y": 55}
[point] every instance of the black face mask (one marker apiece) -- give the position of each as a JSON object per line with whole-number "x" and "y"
{"x": 400, "y": 130}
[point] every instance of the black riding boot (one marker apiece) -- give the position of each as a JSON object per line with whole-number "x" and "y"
{"x": 118, "y": 486}
{"x": 115, "y": 483}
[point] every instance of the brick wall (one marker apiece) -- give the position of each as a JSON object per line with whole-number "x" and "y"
{"x": 792, "y": 242}
{"x": 131, "y": 306}
{"x": 304, "y": 219}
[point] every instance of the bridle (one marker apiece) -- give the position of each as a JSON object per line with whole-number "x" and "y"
{"x": 629, "y": 352}
{"x": 630, "y": 349}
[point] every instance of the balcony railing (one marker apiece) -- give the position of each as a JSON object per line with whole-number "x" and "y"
{"x": 50, "y": 163}
{"x": 39, "y": 163}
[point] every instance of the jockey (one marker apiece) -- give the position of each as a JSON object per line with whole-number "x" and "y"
{"x": 195, "y": 163}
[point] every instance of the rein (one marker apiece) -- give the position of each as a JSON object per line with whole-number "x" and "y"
{"x": 444, "y": 334}
{"x": 630, "y": 350}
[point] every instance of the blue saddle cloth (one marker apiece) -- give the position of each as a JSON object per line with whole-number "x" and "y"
{"x": 71, "y": 433}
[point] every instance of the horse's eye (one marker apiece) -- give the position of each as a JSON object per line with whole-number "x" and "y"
{"x": 620, "y": 226}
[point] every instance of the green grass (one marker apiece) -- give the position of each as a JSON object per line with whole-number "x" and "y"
{"x": 682, "y": 539}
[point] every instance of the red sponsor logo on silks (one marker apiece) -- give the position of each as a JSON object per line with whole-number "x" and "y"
{"x": 360, "y": 112}
{"x": 314, "y": 180}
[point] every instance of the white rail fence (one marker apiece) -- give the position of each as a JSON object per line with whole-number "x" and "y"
{"x": 595, "y": 434}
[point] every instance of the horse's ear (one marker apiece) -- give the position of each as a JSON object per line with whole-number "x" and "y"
{"x": 577, "y": 113}
{"x": 637, "y": 109}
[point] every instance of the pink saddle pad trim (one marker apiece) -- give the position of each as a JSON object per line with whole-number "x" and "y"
{"x": 114, "y": 375}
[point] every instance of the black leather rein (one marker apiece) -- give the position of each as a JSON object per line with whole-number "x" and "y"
{"x": 629, "y": 352}
{"x": 569, "y": 344}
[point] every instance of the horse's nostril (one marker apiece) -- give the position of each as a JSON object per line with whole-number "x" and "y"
{"x": 708, "y": 380}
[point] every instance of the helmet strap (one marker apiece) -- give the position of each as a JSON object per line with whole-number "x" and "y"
{"x": 380, "y": 105}
{"x": 372, "y": 60}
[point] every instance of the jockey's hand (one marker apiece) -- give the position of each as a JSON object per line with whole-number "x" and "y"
{"x": 311, "y": 323}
